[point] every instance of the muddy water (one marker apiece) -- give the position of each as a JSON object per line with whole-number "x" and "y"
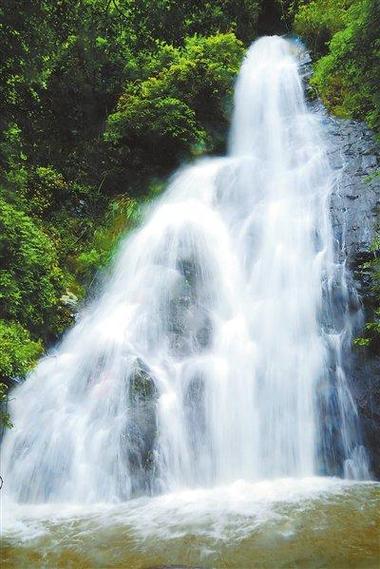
{"x": 311, "y": 523}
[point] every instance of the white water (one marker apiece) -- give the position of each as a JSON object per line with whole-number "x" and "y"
{"x": 215, "y": 351}
{"x": 235, "y": 510}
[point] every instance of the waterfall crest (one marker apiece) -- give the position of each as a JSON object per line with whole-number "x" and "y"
{"x": 217, "y": 349}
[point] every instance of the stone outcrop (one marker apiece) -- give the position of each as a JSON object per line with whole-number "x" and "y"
{"x": 355, "y": 206}
{"x": 356, "y": 201}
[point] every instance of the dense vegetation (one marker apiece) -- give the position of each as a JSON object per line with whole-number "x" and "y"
{"x": 101, "y": 99}
{"x": 346, "y": 36}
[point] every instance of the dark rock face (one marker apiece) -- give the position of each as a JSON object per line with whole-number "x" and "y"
{"x": 355, "y": 207}
{"x": 141, "y": 431}
{"x": 366, "y": 392}
{"x": 355, "y": 203}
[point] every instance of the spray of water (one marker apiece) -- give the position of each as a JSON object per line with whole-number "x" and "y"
{"x": 214, "y": 352}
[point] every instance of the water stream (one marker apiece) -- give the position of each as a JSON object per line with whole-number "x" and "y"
{"x": 210, "y": 370}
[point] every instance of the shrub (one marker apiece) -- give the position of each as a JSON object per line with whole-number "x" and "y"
{"x": 181, "y": 109}
{"x": 348, "y": 76}
{"x": 31, "y": 283}
{"x": 18, "y": 355}
{"x": 19, "y": 352}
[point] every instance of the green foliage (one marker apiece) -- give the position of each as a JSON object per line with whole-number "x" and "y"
{"x": 348, "y": 77}
{"x": 13, "y": 157}
{"x": 372, "y": 177}
{"x": 18, "y": 351}
{"x": 362, "y": 342}
{"x": 31, "y": 282}
{"x": 18, "y": 355}
{"x": 5, "y": 419}
{"x": 181, "y": 108}
{"x": 160, "y": 129}
{"x": 46, "y": 190}
{"x": 317, "y": 21}
{"x": 171, "y": 21}
{"x": 122, "y": 215}
{"x": 26, "y": 42}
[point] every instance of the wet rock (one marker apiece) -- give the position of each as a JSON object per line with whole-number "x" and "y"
{"x": 189, "y": 269}
{"x": 141, "y": 430}
{"x": 366, "y": 392}
{"x": 355, "y": 206}
{"x": 330, "y": 450}
{"x": 70, "y": 302}
{"x": 142, "y": 387}
{"x": 356, "y": 200}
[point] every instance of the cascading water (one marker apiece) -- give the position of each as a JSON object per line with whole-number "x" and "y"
{"x": 215, "y": 351}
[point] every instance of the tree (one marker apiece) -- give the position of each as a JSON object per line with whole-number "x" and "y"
{"x": 181, "y": 109}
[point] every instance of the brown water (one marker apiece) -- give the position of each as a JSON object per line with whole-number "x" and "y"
{"x": 309, "y": 524}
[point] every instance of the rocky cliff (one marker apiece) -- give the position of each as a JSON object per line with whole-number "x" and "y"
{"x": 355, "y": 206}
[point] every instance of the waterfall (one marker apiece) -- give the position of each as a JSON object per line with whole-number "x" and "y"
{"x": 217, "y": 349}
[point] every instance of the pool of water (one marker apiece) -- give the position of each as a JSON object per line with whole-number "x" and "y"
{"x": 287, "y": 523}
